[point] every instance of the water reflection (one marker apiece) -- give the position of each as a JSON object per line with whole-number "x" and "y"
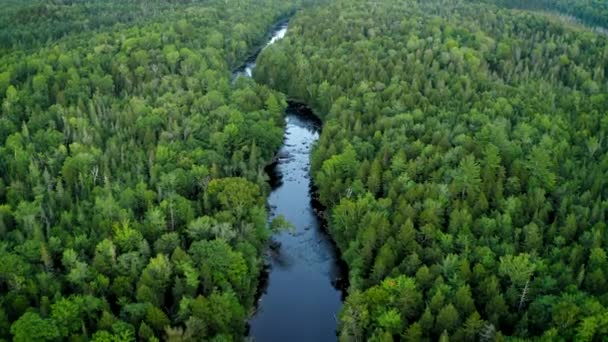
{"x": 302, "y": 288}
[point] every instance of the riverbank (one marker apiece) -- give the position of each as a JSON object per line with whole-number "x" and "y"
{"x": 303, "y": 282}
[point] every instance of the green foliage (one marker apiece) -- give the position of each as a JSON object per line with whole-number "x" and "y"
{"x": 32, "y": 327}
{"x": 462, "y": 151}
{"x": 124, "y": 143}
{"x": 590, "y": 12}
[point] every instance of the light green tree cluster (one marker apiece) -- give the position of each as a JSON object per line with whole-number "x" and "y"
{"x": 132, "y": 183}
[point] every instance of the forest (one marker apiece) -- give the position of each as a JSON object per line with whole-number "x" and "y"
{"x": 34, "y": 23}
{"x": 132, "y": 188}
{"x": 462, "y": 163}
{"x": 593, "y": 13}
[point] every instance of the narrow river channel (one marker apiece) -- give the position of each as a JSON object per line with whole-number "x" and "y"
{"x": 302, "y": 294}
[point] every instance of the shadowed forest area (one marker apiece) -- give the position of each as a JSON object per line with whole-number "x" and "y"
{"x": 593, "y": 13}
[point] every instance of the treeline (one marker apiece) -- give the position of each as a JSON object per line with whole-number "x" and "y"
{"x": 590, "y": 12}
{"x": 463, "y": 163}
{"x": 35, "y": 23}
{"x": 132, "y": 183}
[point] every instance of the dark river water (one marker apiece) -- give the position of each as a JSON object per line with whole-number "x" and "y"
{"x": 303, "y": 287}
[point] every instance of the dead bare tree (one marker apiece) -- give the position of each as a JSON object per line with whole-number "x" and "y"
{"x": 488, "y": 332}
{"x": 524, "y": 294}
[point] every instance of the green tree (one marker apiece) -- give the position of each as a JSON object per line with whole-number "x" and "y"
{"x": 467, "y": 179}
{"x": 32, "y": 327}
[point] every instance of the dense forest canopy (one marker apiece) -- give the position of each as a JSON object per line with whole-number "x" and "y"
{"x": 591, "y": 12}
{"x": 132, "y": 187}
{"x": 34, "y": 23}
{"x": 463, "y": 163}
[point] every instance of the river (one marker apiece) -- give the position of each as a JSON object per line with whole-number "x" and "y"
{"x": 303, "y": 287}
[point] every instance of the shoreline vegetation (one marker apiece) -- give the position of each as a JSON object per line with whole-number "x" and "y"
{"x": 461, "y": 162}
{"x": 133, "y": 191}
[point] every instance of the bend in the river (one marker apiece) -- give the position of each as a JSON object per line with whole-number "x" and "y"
{"x": 305, "y": 281}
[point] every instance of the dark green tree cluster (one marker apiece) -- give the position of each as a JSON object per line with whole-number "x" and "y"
{"x": 132, "y": 183}
{"x": 590, "y": 12}
{"x": 463, "y": 162}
